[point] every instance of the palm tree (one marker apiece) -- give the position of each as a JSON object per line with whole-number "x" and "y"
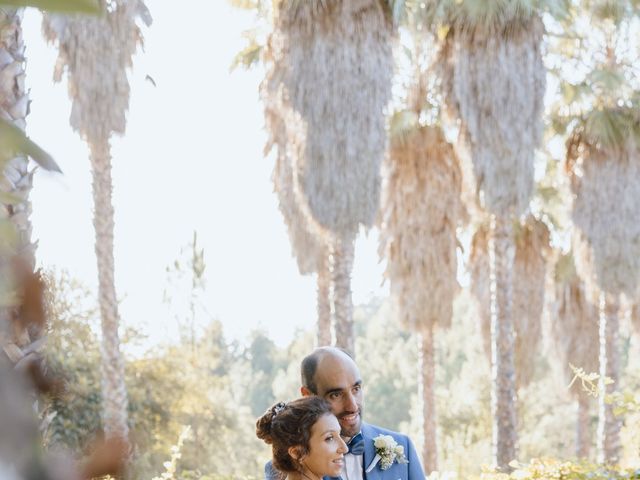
{"x": 96, "y": 52}
{"x": 22, "y": 343}
{"x": 493, "y": 75}
{"x": 574, "y": 329}
{"x": 607, "y": 239}
{"x": 14, "y": 106}
{"x": 16, "y": 179}
{"x": 307, "y": 240}
{"x": 530, "y": 269}
{"x": 421, "y": 211}
{"x": 331, "y": 64}
{"x": 602, "y": 163}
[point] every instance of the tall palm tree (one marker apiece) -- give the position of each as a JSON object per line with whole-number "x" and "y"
{"x": 14, "y": 106}
{"x": 494, "y": 82}
{"x": 574, "y": 329}
{"x": 96, "y": 52}
{"x": 607, "y": 239}
{"x": 602, "y": 163}
{"x": 332, "y": 63}
{"x": 307, "y": 239}
{"x": 16, "y": 179}
{"x": 22, "y": 341}
{"x": 421, "y": 210}
{"x": 530, "y": 269}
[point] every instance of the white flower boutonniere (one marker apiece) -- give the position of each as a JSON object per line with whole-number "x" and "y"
{"x": 387, "y": 452}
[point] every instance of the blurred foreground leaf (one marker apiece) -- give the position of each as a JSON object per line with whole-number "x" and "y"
{"x": 79, "y": 6}
{"x": 14, "y": 142}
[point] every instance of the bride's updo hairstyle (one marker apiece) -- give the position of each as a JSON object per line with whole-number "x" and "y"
{"x": 287, "y": 425}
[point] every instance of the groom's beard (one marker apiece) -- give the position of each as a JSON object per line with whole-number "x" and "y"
{"x": 350, "y": 423}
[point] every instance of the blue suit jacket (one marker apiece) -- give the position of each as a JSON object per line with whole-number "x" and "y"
{"x": 397, "y": 471}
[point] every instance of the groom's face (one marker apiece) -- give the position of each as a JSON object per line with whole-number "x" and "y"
{"x": 338, "y": 381}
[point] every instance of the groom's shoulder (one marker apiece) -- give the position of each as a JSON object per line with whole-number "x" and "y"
{"x": 374, "y": 430}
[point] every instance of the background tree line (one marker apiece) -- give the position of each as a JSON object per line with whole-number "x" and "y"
{"x": 219, "y": 388}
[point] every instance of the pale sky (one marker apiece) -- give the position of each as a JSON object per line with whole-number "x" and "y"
{"x": 191, "y": 160}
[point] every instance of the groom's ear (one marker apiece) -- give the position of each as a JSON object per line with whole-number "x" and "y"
{"x": 306, "y": 392}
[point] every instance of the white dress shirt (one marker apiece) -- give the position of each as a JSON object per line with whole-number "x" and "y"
{"x": 353, "y": 467}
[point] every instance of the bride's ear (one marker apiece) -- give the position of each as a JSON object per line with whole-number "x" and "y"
{"x": 295, "y": 453}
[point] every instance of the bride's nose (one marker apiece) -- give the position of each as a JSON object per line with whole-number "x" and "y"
{"x": 342, "y": 447}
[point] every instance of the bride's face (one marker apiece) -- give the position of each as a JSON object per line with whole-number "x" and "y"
{"x": 326, "y": 448}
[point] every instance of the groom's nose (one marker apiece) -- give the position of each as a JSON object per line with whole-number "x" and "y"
{"x": 350, "y": 404}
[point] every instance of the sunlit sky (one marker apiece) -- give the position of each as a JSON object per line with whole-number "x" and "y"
{"x": 191, "y": 160}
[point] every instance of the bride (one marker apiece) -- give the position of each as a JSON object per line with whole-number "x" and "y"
{"x": 305, "y": 439}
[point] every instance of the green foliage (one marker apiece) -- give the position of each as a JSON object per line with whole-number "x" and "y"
{"x": 219, "y": 389}
{"x": 389, "y": 372}
{"x": 171, "y": 465}
{"x": 562, "y": 470}
{"x": 491, "y": 15}
{"x": 612, "y": 127}
{"x": 68, "y": 6}
{"x": 598, "y": 73}
{"x": 72, "y": 354}
{"x": 170, "y": 387}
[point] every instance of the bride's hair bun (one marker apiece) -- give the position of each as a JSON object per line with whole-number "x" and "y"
{"x": 265, "y": 422}
{"x": 287, "y": 425}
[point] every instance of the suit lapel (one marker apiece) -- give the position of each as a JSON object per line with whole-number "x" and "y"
{"x": 368, "y": 433}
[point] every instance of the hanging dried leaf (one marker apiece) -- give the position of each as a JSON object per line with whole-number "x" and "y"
{"x": 331, "y": 62}
{"x": 421, "y": 210}
{"x": 494, "y": 83}
{"x": 605, "y": 213}
{"x": 96, "y": 52}
{"x": 307, "y": 240}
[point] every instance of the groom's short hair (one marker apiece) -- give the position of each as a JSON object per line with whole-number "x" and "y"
{"x": 309, "y": 366}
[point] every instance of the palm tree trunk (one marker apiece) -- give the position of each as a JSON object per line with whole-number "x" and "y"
{"x": 342, "y": 252}
{"x": 114, "y": 393}
{"x": 16, "y": 179}
{"x": 503, "y": 393}
{"x": 427, "y": 368}
{"x": 608, "y": 437}
{"x": 324, "y": 301}
{"x": 583, "y": 440}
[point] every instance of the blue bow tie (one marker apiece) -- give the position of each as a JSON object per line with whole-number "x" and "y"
{"x": 356, "y": 445}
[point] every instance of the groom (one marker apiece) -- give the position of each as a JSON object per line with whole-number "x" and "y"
{"x": 332, "y": 374}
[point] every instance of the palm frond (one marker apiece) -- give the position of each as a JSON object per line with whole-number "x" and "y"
{"x": 610, "y": 128}
{"x": 613, "y": 10}
{"x": 572, "y": 93}
{"x": 402, "y": 124}
{"x": 398, "y": 10}
{"x": 565, "y": 268}
{"x": 246, "y": 4}
{"x": 67, "y": 6}
{"x": 14, "y": 142}
{"x": 492, "y": 15}
{"x": 606, "y": 79}
{"x": 249, "y": 56}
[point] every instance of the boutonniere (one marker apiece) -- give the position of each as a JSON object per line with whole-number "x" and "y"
{"x": 387, "y": 452}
